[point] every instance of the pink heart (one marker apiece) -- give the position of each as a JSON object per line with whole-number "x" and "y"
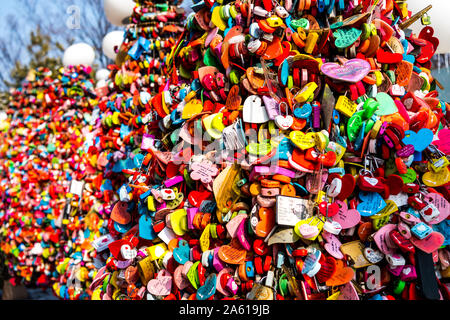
{"x": 443, "y": 143}
{"x": 431, "y": 243}
{"x": 308, "y": 231}
{"x": 234, "y": 223}
{"x": 352, "y": 71}
{"x": 346, "y": 218}
{"x": 382, "y": 239}
{"x": 333, "y": 245}
{"x": 348, "y": 292}
{"x": 180, "y": 281}
{"x": 160, "y": 286}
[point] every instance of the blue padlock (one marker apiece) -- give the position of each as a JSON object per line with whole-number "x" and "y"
{"x": 421, "y": 230}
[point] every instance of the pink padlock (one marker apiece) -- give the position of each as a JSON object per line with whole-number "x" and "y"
{"x": 404, "y": 229}
{"x": 409, "y": 218}
{"x": 242, "y": 237}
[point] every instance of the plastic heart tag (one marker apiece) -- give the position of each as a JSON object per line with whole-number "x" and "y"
{"x": 387, "y": 105}
{"x": 333, "y": 227}
{"x": 327, "y": 269}
{"x": 371, "y": 204}
{"x": 204, "y": 171}
{"x": 231, "y": 255}
{"x": 333, "y": 244}
{"x": 345, "y": 37}
{"x": 430, "y": 244}
{"x": 382, "y": 238}
{"x": 284, "y": 122}
{"x": 145, "y": 228}
{"x": 208, "y": 289}
{"x": 266, "y": 222}
{"x": 311, "y": 261}
{"x": 373, "y": 256}
{"x": 308, "y": 231}
{"x": 180, "y": 281}
{"x": 346, "y": 218}
{"x": 181, "y": 253}
{"x": 420, "y": 140}
{"x": 342, "y": 275}
{"x": 120, "y": 214}
{"x": 441, "y": 204}
{"x": 436, "y": 179}
{"x": 352, "y": 71}
{"x": 234, "y": 223}
{"x": 259, "y": 149}
{"x": 313, "y": 228}
{"x": 127, "y": 252}
{"x": 161, "y": 286}
{"x": 301, "y": 140}
{"x": 348, "y": 292}
{"x": 348, "y": 183}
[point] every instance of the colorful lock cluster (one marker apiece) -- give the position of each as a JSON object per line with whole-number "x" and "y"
{"x": 42, "y": 159}
{"x": 264, "y": 151}
{"x": 290, "y": 152}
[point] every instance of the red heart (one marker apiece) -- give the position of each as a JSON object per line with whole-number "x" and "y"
{"x": 427, "y": 34}
{"x": 311, "y": 155}
{"x": 348, "y": 185}
{"x": 298, "y": 157}
{"x": 114, "y": 248}
{"x": 395, "y": 184}
{"x": 328, "y": 159}
{"x": 332, "y": 208}
{"x": 372, "y": 184}
{"x": 196, "y": 197}
{"x": 388, "y": 57}
{"x": 327, "y": 269}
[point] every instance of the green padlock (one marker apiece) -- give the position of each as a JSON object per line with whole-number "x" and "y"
{"x": 354, "y": 125}
{"x": 209, "y": 59}
{"x": 234, "y": 76}
{"x": 426, "y": 20}
{"x": 370, "y": 106}
{"x": 369, "y": 126}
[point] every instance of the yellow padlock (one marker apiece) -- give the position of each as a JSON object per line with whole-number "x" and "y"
{"x": 151, "y": 203}
{"x": 275, "y": 22}
{"x": 157, "y": 251}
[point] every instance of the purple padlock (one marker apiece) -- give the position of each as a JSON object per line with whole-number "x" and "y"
{"x": 383, "y": 128}
{"x": 272, "y": 107}
{"x": 396, "y": 271}
{"x": 406, "y": 151}
{"x": 316, "y": 116}
{"x": 232, "y": 286}
{"x": 408, "y": 273}
{"x": 173, "y": 181}
{"x": 217, "y": 263}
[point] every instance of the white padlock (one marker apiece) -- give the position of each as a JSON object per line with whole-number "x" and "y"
{"x": 395, "y": 260}
{"x": 335, "y": 188}
{"x": 168, "y": 194}
{"x": 281, "y": 12}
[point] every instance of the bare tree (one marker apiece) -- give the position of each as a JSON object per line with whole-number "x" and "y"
{"x": 52, "y": 17}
